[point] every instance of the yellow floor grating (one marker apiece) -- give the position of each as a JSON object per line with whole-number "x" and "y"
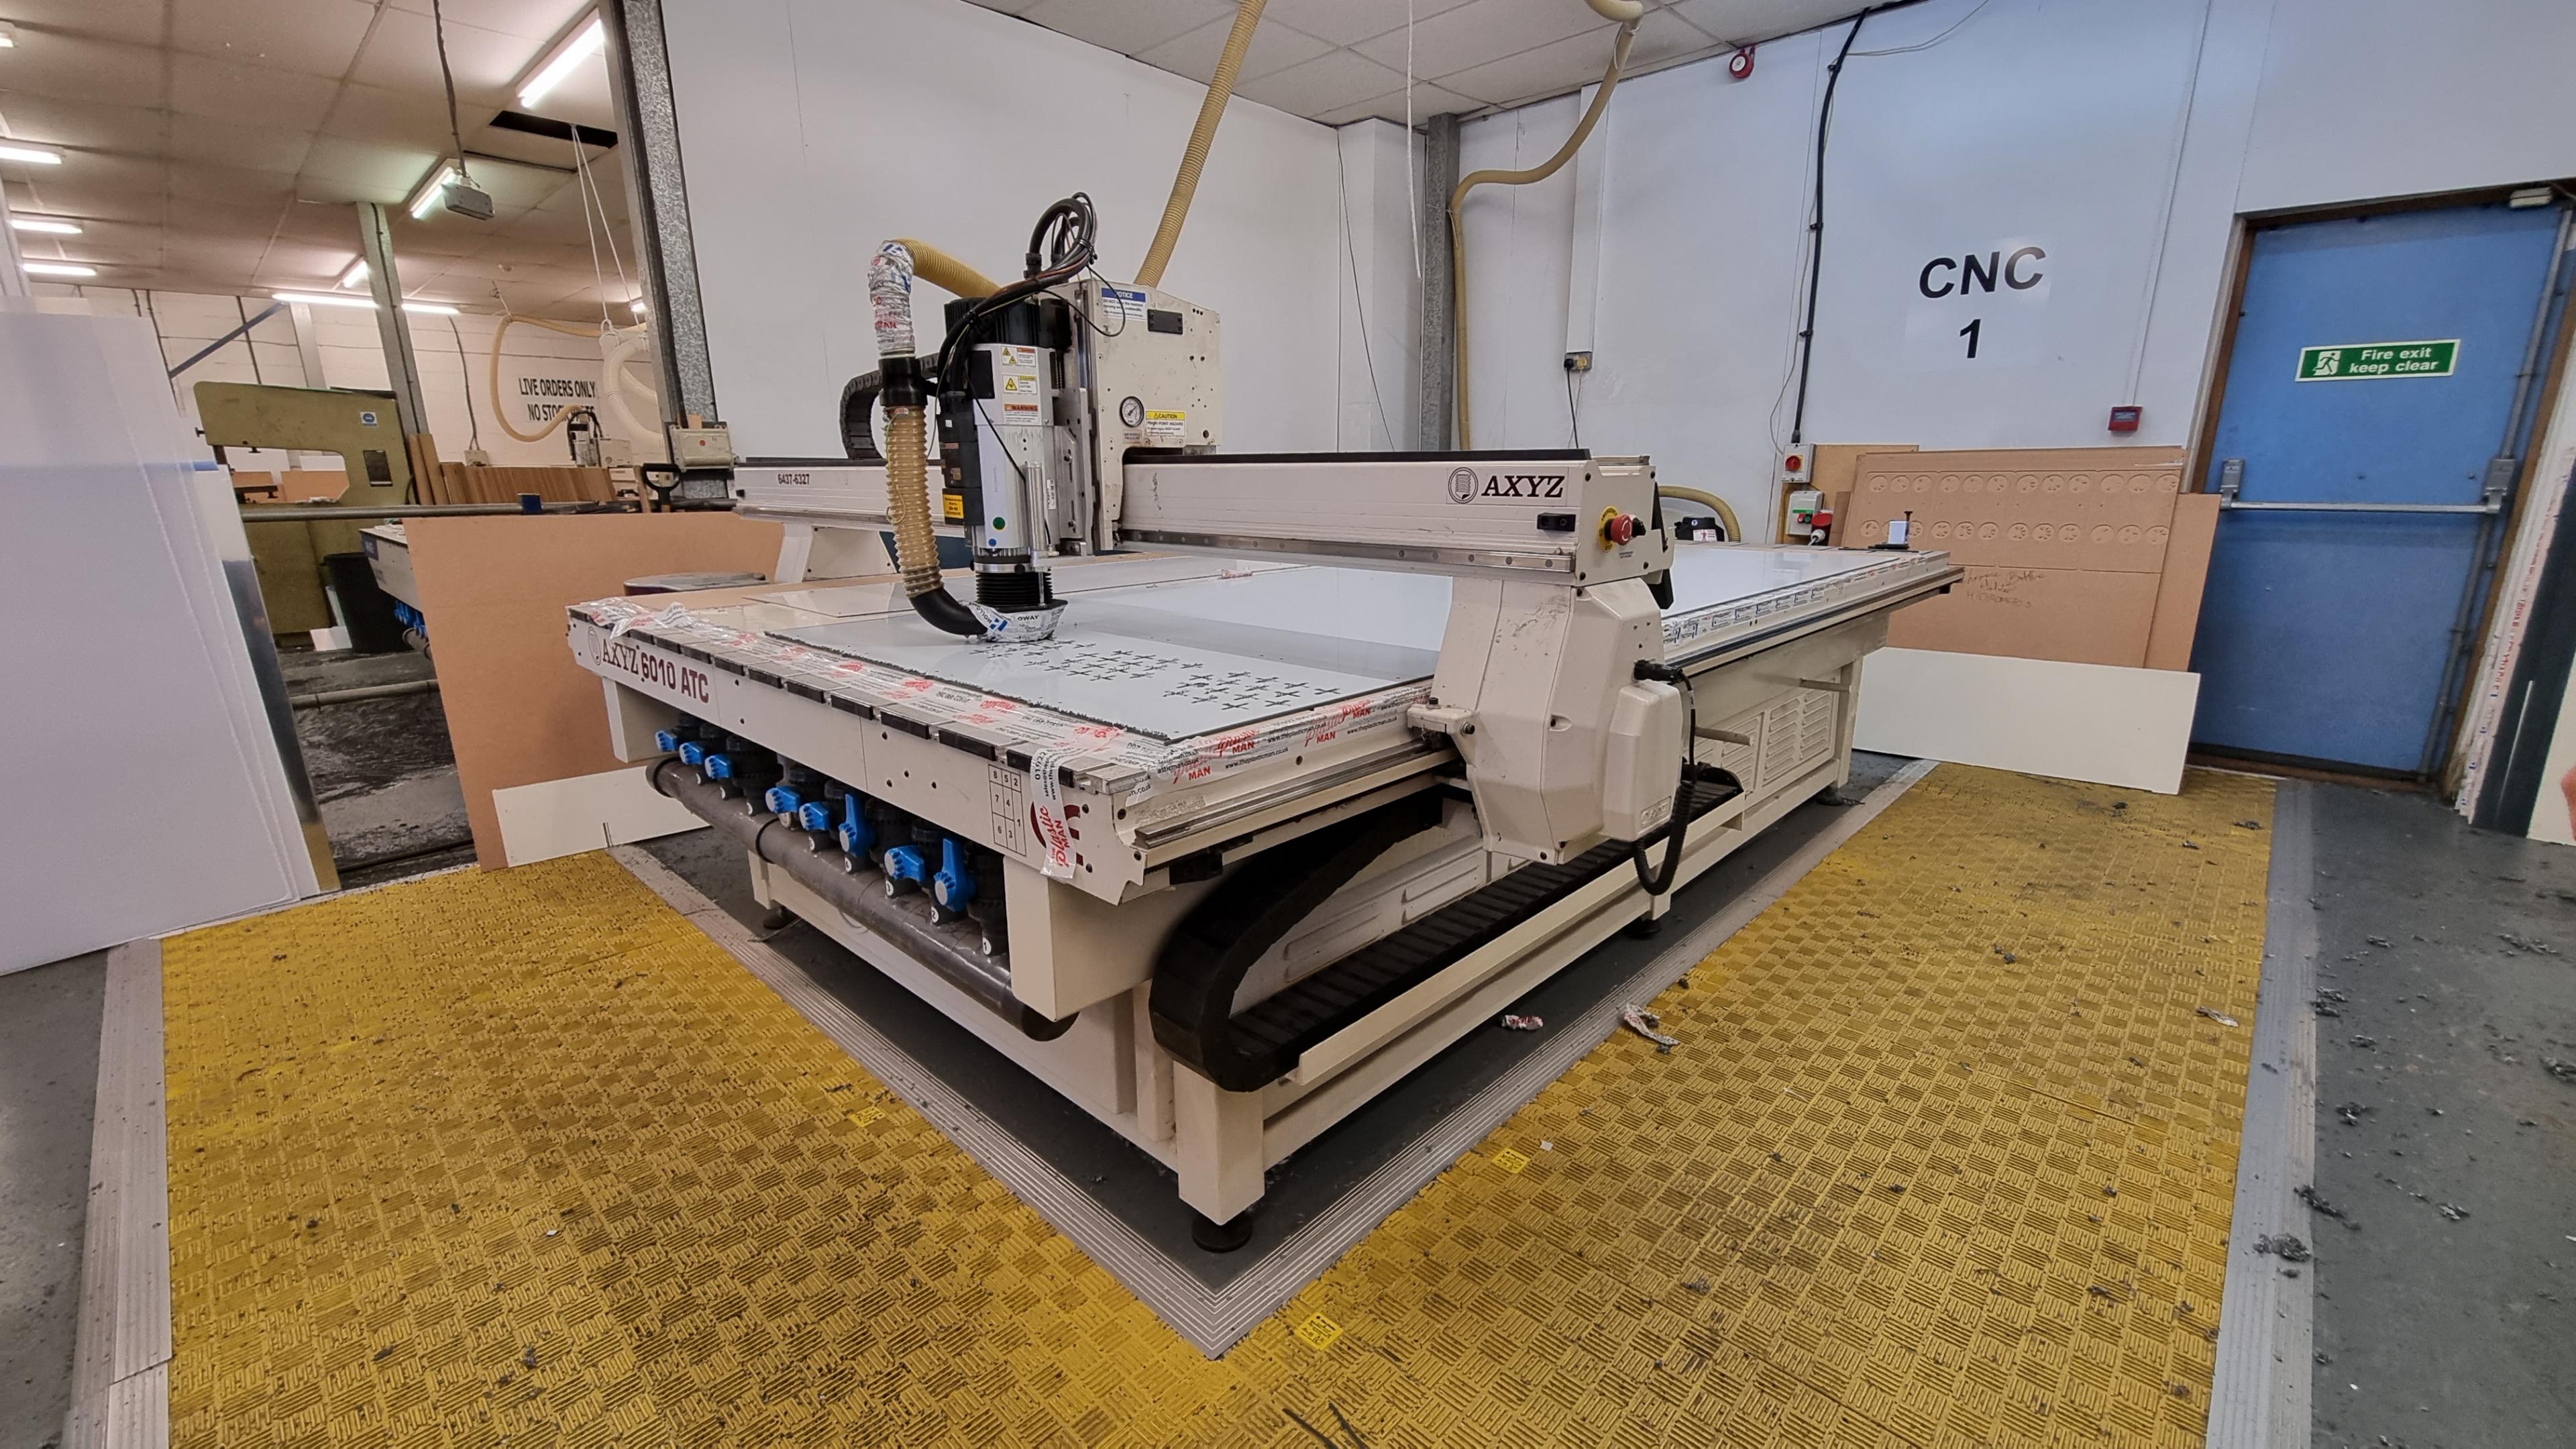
{"x": 1945, "y": 1158}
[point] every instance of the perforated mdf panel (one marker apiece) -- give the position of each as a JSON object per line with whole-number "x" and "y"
{"x": 2102, "y": 509}
{"x": 1945, "y": 1156}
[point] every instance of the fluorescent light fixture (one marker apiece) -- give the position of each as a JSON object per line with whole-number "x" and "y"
{"x": 425, "y": 199}
{"x": 32, "y": 155}
{"x": 58, "y": 269}
{"x": 580, "y": 44}
{"x": 8, "y": 37}
{"x": 357, "y": 273}
{"x": 46, "y": 224}
{"x": 345, "y": 299}
{"x": 2531, "y": 196}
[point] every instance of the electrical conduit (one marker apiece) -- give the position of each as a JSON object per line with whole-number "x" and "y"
{"x": 1626, "y": 12}
{"x": 1247, "y": 17}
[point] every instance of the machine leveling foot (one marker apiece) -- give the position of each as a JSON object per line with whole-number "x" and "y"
{"x": 1645, "y": 928}
{"x": 1216, "y": 1237}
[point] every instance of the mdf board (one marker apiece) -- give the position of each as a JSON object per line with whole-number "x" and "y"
{"x": 494, "y": 589}
{"x": 2186, "y": 575}
{"x": 2081, "y": 615}
{"x": 1832, "y": 468}
{"x": 2065, "y": 548}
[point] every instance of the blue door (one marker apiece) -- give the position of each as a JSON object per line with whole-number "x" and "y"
{"x": 2375, "y": 363}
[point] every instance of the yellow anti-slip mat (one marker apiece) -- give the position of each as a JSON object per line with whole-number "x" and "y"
{"x": 1945, "y": 1157}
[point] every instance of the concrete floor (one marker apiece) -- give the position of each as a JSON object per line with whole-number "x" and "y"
{"x": 2446, "y": 1295}
{"x": 49, "y": 1023}
{"x": 382, "y": 770}
{"x": 2450, "y": 952}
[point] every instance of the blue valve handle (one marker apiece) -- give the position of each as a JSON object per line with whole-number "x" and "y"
{"x": 905, "y": 867}
{"x": 693, "y": 753}
{"x": 666, "y": 740}
{"x": 719, "y": 767}
{"x": 954, "y": 886}
{"x": 781, "y": 800}
{"x": 856, "y": 837}
{"x": 814, "y": 815}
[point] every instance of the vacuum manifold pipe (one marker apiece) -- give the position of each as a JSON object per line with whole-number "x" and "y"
{"x": 1626, "y": 12}
{"x": 1247, "y": 18}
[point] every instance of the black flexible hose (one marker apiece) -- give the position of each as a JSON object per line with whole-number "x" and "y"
{"x": 942, "y": 610}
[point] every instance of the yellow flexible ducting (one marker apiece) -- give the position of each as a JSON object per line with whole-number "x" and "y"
{"x": 1194, "y": 156}
{"x": 908, "y": 499}
{"x": 500, "y": 409}
{"x": 1626, "y": 12}
{"x": 1546, "y": 169}
{"x": 1709, "y": 501}
{"x": 940, "y": 269}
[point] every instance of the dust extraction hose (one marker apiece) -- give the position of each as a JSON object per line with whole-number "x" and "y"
{"x": 1710, "y": 501}
{"x": 907, "y": 443}
{"x": 500, "y": 409}
{"x": 1247, "y": 17}
{"x": 1540, "y": 172}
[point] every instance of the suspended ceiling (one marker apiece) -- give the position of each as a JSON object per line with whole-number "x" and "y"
{"x": 1339, "y": 61}
{"x": 219, "y": 145}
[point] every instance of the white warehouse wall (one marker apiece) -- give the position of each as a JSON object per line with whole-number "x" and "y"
{"x": 454, "y": 354}
{"x": 812, "y": 130}
{"x": 2064, "y": 124}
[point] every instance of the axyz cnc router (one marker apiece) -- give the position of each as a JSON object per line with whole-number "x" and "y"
{"x": 1222, "y": 840}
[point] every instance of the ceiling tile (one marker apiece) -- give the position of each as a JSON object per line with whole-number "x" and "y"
{"x": 533, "y": 19}
{"x": 1428, "y": 100}
{"x": 382, "y": 173}
{"x": 239, "y": 185}
{"x": 1347, "y": 22}
{"x": 1335, "y": 78}
{"x": 203, "y": 87}
{"x": 401, "y": 54}
{"x": 107, "y": 172}
{"x": 1486, "y": 30}
{"x": 1575, "y": 62}
{"x": 1274, "y": 48}
{"x": 85, "y": 125}
{"x": 137, "y": 22}
{"x": 75, "y": 69}
{"x": 399, "y": 118}
{"x": 1125, "y": 26}
{"x": 240, "y": 143}
{"x": 315, "y": 37}
{"x": 1741, "y": 22}
{"x": 297, "y": 261}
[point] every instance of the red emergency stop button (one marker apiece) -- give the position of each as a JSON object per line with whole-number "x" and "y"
{"x": 1619, "y": 529}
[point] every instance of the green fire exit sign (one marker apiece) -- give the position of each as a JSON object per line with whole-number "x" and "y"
{"x": 2378, "y": 359}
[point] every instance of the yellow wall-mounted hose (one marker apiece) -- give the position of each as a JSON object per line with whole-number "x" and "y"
{"x": 500, "y": 409}
{"x": 1540, "y": 172}
{"x": 940, "y": 269}
{"x": 1247, "y": 17}
{"x": 1709, "y": 501}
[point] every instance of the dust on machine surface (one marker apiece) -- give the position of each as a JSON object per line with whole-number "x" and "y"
{"x": 1222, "y": 840}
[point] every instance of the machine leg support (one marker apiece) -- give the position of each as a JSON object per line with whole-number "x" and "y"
{"x": 1219, "y": 1157}
{"x": 1215, "y": 1237}
{"x": 1645, "y": 928}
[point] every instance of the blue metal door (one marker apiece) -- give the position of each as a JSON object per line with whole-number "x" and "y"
{"x": 2328, "y": 635}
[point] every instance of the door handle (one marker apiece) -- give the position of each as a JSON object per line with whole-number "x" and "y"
{"x": 2231, "y": 483}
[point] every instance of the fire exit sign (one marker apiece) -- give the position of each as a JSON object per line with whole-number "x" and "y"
{"x": 2378, "y": 359}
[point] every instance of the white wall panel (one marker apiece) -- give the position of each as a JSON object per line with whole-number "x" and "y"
{"x": 813, "y": 130}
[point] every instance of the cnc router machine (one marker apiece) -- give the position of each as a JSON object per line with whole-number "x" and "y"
{"x": 1221, "y": 841}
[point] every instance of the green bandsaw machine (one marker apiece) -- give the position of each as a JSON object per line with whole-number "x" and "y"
{"x": 361, "y": 428}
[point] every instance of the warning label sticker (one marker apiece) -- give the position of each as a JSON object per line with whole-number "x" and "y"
{"x": 1166, "y": 427}
{"x": 1017, "y": 386}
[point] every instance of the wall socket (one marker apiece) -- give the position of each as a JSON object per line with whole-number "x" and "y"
{"x": 1578, "y": 361}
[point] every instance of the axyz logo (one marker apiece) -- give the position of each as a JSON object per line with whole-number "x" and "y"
{"x": 680, "y": 679}
{"x": 1466, "y": 487}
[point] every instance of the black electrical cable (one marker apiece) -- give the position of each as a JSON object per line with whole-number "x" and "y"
{"x": 1052, "y": 261}
{"x": 438, "y": 30}
{"x": 1573, "y": 414}
{"x": 474, "y": 425}
{"x": 1816, "y": 228}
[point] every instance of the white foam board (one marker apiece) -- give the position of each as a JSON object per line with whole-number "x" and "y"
{"x": 2098, "y": 723}
{"x": 585, "y": 812}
